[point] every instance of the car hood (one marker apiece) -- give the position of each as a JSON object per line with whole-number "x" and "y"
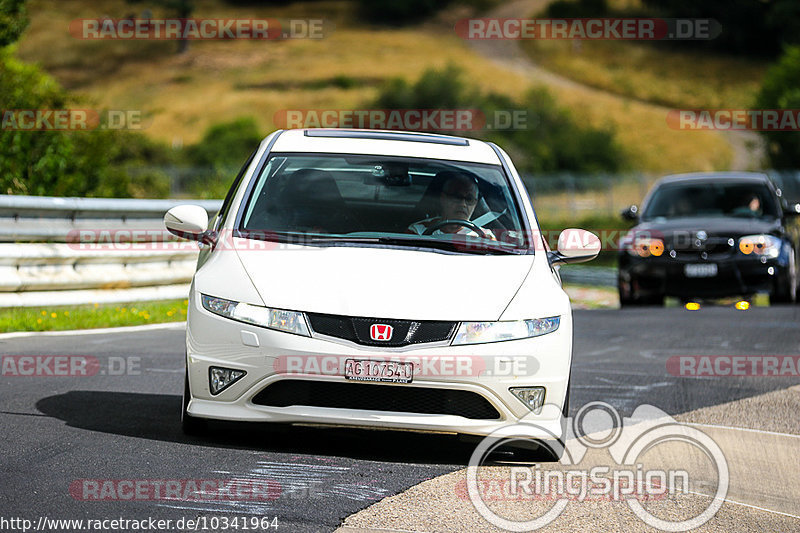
{"x": 713, "y": 226}
{"x": 385, "y": 282}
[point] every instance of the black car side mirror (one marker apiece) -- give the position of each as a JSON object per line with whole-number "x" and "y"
{"x": 792, "y": 210}
{"x": 630, "y": 213}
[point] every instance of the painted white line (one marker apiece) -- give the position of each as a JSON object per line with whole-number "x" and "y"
{"x": 733, "y": 428}
{"x": 745, "y": 504}
{"x": 99, "y": 331}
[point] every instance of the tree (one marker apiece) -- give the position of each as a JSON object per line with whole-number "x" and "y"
{"x": 781, "y": 90}
{"x": 13, "y": 21}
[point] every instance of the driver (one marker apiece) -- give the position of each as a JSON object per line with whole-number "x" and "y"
{"x": 457, "y": 201}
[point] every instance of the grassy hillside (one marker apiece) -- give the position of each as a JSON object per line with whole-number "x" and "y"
{"x": 217, "y": 81}
{"x": 667, "y": 74}
{"x": 647, "y": 73}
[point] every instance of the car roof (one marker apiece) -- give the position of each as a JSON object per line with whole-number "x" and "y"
{"x": 714, "y": 177}
{"x": 386, "y": 142}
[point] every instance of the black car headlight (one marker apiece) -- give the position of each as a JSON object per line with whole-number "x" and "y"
{"x": 761, "y": 245}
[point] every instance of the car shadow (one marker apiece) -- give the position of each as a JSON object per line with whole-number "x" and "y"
{"x": 157, "y": 417}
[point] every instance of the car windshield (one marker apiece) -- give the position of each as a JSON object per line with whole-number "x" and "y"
{"x": 336, "y": 198}
{"x": 747, "y": 200}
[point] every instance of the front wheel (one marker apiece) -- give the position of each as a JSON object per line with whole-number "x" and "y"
{"x": 656, "y": 300}
{"x": 785, "y": 289}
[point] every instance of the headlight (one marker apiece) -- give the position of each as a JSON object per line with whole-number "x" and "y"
{"x": 645, "y": 247}
{"x": 288, "y": 321}
{"x": 761, "y": 245}
{"x": 480, "y": 332}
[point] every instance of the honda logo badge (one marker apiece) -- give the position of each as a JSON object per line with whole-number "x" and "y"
{"x": 381, "y": 332}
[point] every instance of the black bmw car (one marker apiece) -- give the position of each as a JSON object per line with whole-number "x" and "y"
{"x": 710, "y": 235}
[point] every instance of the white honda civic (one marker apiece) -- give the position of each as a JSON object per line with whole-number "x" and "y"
{"x": 378, "y": 279}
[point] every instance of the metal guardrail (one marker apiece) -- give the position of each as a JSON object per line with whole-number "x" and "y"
{"x": 52, "y": 219}
{"x": 589, "y": 275}
{"x": 43, "y": 263}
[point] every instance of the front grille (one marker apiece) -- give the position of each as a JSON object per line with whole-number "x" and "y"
{"x": 690, "y": 249}
{"x": 357, "y": 329}
{"x": 372, "y": 397}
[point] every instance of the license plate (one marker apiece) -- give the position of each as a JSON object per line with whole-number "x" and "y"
{"x": 367, "y": 370}
{"x": 702, "y": 270}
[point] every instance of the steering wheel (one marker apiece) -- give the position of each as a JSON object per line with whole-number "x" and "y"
{"x": 466, "y": 223}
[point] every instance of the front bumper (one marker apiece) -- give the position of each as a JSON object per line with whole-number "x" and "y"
{"x": 665, "y": 276}
{"x": 486, "y": 370}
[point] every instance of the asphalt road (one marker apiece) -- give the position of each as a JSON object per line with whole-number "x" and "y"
{"x": 123, "y": 423}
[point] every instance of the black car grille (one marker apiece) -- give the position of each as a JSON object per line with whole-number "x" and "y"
{"x": 713, "y": 247}
{"x": 357, "y": 329}
{"x": 372, "y": 397}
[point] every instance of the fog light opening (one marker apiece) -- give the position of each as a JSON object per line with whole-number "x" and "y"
{"x": 532, "y": 397}
{"x": 742, "y": 305}
{"x": 220, "y": 379}
{"x": 692, "y": 306}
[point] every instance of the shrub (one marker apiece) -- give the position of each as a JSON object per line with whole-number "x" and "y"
{"x": 781, "y": 90}
{"x": 69, "y": 163}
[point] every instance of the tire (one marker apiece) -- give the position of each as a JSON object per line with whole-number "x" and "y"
{"x": 655, "y": 300}
{"x": 191, "y": 425}
{"x": 543, "y": 451}
{"x": 785, "y": 290}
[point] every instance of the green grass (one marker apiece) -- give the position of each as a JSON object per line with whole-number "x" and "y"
{"x": 91, "y": 316}
{"x": 590, "y": 297}
{"x": 647, "y": 72}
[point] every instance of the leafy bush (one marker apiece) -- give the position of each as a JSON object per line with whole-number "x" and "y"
{"x": 218, "y": 156}
{"x": 226, "y": 144}
{"x": 550, "y": 139}
{"x": 781, "y": 90}
{"x": 13, "y": 21}
{"x": 68, "y": 163}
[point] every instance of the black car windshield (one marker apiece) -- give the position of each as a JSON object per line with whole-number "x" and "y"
{"x": 337, "y": 198}
{"x": 747, "y": 200}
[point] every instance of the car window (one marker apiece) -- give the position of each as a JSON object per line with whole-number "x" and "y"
{"x": 789, "y": 183}
{"x": 226, "y": 204}
{"x": 712, "y": 200}
{"x": 376, "y": 196}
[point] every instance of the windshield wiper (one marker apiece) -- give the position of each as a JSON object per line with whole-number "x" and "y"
{"x": 474, "y": 246}
{"x": 465, "y": 246}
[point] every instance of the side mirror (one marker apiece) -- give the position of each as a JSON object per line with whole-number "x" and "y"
{"x": 630, "y": 213}
{"x": 187, "y": 221}
{"x": 792, "y": 210}
{"x": 575, "y": 246}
